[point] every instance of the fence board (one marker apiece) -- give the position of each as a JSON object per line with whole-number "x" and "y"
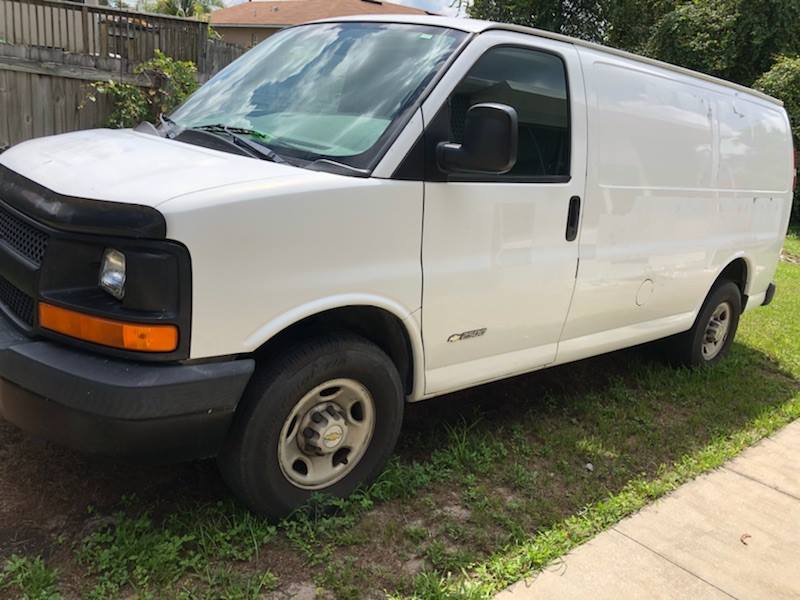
{"x": 20, "y": 118}
{"x": 58, "y": 104}
{"x": 5, "y": 137}
{"x": 100, "y": 30}
{"x": 38, "y": 103}
{"x": 51, "y": 50}
{"x": 43, "y": 61}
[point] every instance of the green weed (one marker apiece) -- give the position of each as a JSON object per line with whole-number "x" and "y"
{"x": 29, "y": 578}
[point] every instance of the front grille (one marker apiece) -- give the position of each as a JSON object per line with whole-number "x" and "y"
{"x": 17, "y": 302}
{"x": 26, "y": 240}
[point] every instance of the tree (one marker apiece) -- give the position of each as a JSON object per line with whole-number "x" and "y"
{"x": 185, "y": 8}
{"x": 732, "y": 39}
{"x": 630, "y": 22}
{"x": 766, "y": 29}
{"x": 698, "y": 35}
{"x": 578, "y": 18}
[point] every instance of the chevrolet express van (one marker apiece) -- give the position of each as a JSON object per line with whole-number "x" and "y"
{"x": 362, "y": 213}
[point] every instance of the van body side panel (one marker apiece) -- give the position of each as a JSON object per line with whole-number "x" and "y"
{"x": 315, "y": 241}
{"x": 649, "y": 197}
{"x": 754, "y": 180}
{"x": 676, "y": 189}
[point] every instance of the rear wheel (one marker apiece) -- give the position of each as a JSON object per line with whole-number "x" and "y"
{"x": 323, "y": 418}
{"x": 710, "y": 339}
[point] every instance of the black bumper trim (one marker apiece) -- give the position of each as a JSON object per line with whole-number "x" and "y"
{"x": 769, "y": 295}
{"x": 80, "y": 215}
{"x": 116, "y": 407}
{"x": 120, "y": 389}
{"x": 163, "y": 440}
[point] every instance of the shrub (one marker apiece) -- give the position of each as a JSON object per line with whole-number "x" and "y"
{"x": 170, "y": 83}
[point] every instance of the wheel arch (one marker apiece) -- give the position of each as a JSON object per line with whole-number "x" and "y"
{"x": 738, "y": 270}
{"x": 383, "y": 322}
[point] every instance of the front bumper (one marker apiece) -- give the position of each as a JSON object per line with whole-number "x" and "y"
{"x": 116, "y": 407}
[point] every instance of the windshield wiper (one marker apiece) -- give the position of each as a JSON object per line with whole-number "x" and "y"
{"x": 237, "y": 135}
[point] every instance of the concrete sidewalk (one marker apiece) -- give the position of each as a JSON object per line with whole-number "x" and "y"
{"x": 734, "y": 533}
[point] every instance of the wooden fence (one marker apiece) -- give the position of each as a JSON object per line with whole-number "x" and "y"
{"x": 102, "y": 31}
{"x": 45, "y": 91}
{"x": 50, "y": 51}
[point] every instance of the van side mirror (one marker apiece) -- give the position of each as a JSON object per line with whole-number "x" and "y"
{"x": 490, "y": 142}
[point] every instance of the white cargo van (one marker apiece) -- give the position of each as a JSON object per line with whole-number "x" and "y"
{"x": 361, "y": 213}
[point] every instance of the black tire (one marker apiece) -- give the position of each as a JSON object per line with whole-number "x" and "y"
{"x": 687, "y": 348}
{"x": 249, "y": 459}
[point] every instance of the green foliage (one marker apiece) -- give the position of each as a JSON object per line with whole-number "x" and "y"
{"x": 698, "y": 35}
{"x": 432, "y": 586}
{"x": 732, "y": 39}
{"x": 621, "y": 23}
{"x": 577, "y": 18}
{"x": 184, "y": 8}
{"x": 213, "y": 34}
{"x": 171, "y": 82}
{"x": 130, "y": 105}
{"x": 137, "y": 552}
{"x": 29, "y": 578}
{"x": 630, "y": 22}
{"x": 765, "y": 29}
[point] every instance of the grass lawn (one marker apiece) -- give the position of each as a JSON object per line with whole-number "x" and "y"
{"x": 487, "y": 485}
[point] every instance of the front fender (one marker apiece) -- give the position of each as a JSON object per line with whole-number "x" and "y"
{"x": 409, "y": 321}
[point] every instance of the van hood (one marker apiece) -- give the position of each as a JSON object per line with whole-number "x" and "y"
{"x": 127, "y": 166}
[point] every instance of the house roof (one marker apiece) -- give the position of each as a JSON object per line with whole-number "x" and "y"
{"x": 279, "y": 13}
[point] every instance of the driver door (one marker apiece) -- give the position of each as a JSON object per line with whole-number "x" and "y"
{"x": 499, "y": 263}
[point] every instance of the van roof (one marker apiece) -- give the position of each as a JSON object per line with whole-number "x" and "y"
{"x": 476, "y": 26}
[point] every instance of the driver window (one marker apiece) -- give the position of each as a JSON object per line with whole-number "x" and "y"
{"x": 534, "y": 83}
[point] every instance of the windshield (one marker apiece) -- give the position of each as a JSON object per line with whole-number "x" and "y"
{"x": 324, "y": 91}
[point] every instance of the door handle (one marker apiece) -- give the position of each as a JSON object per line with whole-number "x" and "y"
{"x": 573, "y": 218}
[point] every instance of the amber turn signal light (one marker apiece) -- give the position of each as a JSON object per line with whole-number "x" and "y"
{"x": 139, "y": 337}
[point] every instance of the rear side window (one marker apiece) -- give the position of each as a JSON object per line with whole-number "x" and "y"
{"x": 535, "y": 84}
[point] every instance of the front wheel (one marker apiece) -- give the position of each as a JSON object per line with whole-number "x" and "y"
{"x": 710, "y": 339}
{"x": 323, "y": 418}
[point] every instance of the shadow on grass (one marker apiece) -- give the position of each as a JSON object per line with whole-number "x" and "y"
{"x": 474, "y": 471}
{"x": 628, "y": 400}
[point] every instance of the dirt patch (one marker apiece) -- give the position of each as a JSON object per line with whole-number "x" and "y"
{"x": 53, "y": 497}
{"x": 455, "y": 511}
{"x": 790, "y": 257}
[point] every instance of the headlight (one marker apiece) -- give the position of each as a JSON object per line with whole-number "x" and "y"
{"x": 112, "y": 273}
